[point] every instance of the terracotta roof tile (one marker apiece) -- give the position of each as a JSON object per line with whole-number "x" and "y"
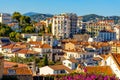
{"x": 35, "y": 42}
{"x": 8, "y": 64}
{"x": 9, "y": 46}
{"x": 60, "y": 67}
{"x": 73, "y": 60}
{"x": 46, "y": 46}
{"x": 116, "y": 58}
{"x": 97, "y": 59}
{"x": 100, "y": 69}
{"x": 26, "y": 51}
{"x": 18, "y": 71}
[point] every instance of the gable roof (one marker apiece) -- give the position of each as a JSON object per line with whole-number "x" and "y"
{"x": 116, "y": 58}
{"x": 35, "y": 42}
{"x": 26, "y": 51}
{"x": 18, "y": 71}
{"x": 100, "y": 69}
{"x": 9, "y": 46}
{"x": 60, "y": 67}
{"x": 8, "y": 64}
{"x": 73, "y": 60}
{"x": 46, "y": 46}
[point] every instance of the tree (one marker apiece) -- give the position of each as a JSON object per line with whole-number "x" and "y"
{"x": 14, "y": 36}
{"x": 25, "y": 20}
{"x": 16, "y": 16}
{"x": 49, "y": 28}
{"x": 2, "y": 31}
{"x": 17, "y": 59}
{"x": 5, "y": 30}
{"x": 17, "y": 36}
{"x": 29, "y": 29}
{"x": 45, "y": 60}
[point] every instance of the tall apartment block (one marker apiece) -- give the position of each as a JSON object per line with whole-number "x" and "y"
{"x": 5, "y": 18}
{"x": 64, "y": 25}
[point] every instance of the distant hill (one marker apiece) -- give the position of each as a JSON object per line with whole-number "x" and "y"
{"x": 94, "y": 17}
{"x": 30, "y": 13}
{"x": 38, "y": 16}
{"x": 90, "y": 17}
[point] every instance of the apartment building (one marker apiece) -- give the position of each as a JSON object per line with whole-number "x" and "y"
{"x": 5, "y": 18}
{"x": 106, "y": 35}
{"x": 64, "y": 25}
{"x": 93, "y": 28}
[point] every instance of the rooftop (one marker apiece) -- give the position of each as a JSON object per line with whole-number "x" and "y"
{"x": 8, "y": 64}
{"x": 18, "y": 71}
{"x": 60, "y": 67}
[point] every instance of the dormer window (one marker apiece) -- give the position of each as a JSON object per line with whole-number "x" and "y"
{"x": 11, "y": 71}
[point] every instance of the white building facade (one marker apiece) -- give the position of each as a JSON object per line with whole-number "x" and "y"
{"x": 64, "y": 25}
{"x": 5, "y": 18}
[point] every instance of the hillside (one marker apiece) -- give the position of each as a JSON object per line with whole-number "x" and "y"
{"x": 38, "y": 16}
{"x": 95, "y": 17}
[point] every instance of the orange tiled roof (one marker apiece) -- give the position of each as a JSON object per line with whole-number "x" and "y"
{"x": 9, "y": 46}
{"x": 116, "y": 58}
{"x": 18, "y": 71}
{"x": 11, "y": 24}
{"x": 99, "y": 69}
{"x": 60, "y": 67}
{"x": 73, "y": 60}
{"x": 97, "y": 59}
{"x": 40, "y": 24}
{"x": 35, "y": 42}
{"x": 104, "y": 56}
{"x": 8, "y": 64}
{"x": 45, "y": 46}
{"x": 26, "y": 51}
{"x": 20, "y": 45}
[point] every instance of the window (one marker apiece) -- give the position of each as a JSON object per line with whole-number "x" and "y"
{"x": 11, "y": 71}
{"x": 62, "y": 71}
{"x": 69, "y": 64}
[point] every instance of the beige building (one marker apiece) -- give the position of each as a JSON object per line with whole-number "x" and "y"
{"x": 117, "y": 30}
{"x": 94, "y": 27}
{"x": 1, "y": 66}
{"x": 115, "y": 48}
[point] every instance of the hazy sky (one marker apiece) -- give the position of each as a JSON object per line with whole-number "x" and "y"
{"x": 81, "y": 7}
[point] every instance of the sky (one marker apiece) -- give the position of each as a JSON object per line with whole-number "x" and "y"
{"x": 80, "y": 7}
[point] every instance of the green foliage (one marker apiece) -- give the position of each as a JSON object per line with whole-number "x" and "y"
{"x": 25, "y": 20}
{"x": 50, "y": 28}
{"x": 4, "y": 30}
{"x": 45, "y": 60}
{"x": 40, "y": 34}
{"x": 17, "y": 59}
{"x": 14, "y": 36}
{"x": 16, "y": 16}
{"x": 94, "y": 17}
{"x": 29, "y": 29}
{"x": 51, "y": 62}
{"x": 21, "y": 59}
{"x": 39, "y": 17}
